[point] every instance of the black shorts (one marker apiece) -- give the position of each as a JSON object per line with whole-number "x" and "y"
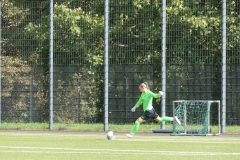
{"x": 149, "y": 114}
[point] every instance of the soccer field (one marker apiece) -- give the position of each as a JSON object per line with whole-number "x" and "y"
{"x": 47, "y": 145}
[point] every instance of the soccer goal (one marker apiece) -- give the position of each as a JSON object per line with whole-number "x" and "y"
{"x": 195, "y": 117}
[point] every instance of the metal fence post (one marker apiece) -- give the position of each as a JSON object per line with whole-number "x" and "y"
{"x": 163, "y": 61}
{"x": 106, "y": 14}
{"x": 224, "y": 60}
{"x": 51, "y": 68}
{"x": 31, "y": 99}
{"x": 148, "y": 70}
{"x": 78, "y": 102}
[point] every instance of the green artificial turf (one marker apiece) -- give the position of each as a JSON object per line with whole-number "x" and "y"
{"x": 56, "y": 145}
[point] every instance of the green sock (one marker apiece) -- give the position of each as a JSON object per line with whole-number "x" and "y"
{"x": 166, "y": 119}
{"x": 135, "y": 127}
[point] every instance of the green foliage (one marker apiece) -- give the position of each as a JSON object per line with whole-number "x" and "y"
{"x": 194, "y": 31}
{"x": 199, "y": 40}
{"x": 131, "y": 35}
{"x": 15, "y": 78}
{"x": 12, "y": 16}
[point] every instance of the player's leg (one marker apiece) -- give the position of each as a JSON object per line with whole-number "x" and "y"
{"x": 135, "y": 127}
{"x": 167, "y": 119}
{"x": 137, "y": 123}
{"x": 159, "y": 119}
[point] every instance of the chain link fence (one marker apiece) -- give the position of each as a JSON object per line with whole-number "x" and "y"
{"x": 233, "y": 63}
{"x": 194, "y": 38}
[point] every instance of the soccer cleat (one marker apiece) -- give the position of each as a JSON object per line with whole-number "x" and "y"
{"x": 177, "y": 120}
{"x": 129, "y": 135}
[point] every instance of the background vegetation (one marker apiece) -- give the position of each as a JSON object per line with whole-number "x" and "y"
{"x": 193, "y": 56}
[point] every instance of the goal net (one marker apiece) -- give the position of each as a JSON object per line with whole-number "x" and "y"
{"x": 194, "y": 116}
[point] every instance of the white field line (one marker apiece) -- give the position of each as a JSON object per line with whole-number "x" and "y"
{"x": 169, "y": 140}
{"x": 136, "y": 138}
{"x": 52, "y": 134}
{"x": 213, "y": 141}
{"x": 49, "y": 150}
{"x": 118, "y": 134}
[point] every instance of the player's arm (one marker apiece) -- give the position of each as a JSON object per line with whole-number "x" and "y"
{"x": 154, "y": 95}
{"x": 139, "y": 102}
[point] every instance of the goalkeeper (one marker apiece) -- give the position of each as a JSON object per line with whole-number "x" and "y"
{"x": 149, "y": 112}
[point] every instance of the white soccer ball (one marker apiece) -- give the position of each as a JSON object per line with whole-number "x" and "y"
{"x": 110, "y": 135}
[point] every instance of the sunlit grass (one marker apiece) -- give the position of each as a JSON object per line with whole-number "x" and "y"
{"x": 45, "y": 145}
{"x": 99, "y": 127}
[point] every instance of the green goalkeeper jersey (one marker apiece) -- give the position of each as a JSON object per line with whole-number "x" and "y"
{"x": 146, "y": 100}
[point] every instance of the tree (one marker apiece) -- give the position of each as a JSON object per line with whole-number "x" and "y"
{"x": 78, "y": 56}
